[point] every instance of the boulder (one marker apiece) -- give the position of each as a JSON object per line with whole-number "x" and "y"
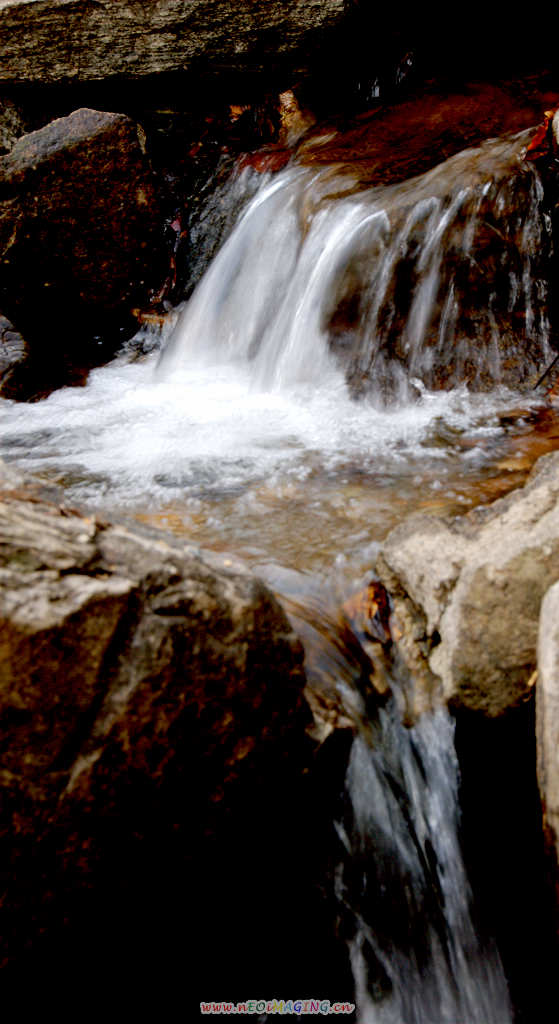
{"x": 80, "y": 242}
{"x": 468, "y": 592}
{"x": 75, "y": 40}
{"x": 153, "y": 737}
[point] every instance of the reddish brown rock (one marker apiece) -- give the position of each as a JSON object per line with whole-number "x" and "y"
{"x": 395, "y": 141}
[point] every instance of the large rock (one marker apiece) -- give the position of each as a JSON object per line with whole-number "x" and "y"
{"x": 468, "y": 592}
{"x": 80, "y": 241}
{"x": 75, "y": 40}
{"x": 153, "y": 737}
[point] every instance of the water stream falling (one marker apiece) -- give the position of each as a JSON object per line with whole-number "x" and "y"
{"x": 415, "y": 953}
{"x": 429, "y": 301}
{"x": 438, "y": 280}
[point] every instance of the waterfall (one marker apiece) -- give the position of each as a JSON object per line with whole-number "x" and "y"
{"x": 402, "y": 884}
{"x": 406, "y": 908}
{"x": 245, "y": 435}
{"x": 440, "y": 280}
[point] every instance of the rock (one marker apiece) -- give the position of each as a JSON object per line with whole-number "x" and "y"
{"x": 395, "y": 142}
{"x": 80, "y": 243}
{"x": 547, "y": 724}
{"x": 75, "y": 40}
{"x": 151, "y": 710}
{"x": 472, "y": 587}
{"x": 461, "y": 294}
{"x": 455, "y": 283}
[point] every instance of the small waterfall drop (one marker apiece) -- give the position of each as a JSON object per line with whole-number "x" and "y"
{"x": 440, "y": 280}
{"x": 406, "y": 909}
{"x": 406, "y": 900}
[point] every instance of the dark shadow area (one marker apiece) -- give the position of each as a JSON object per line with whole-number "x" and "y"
{"x": 504, "y": 852}
{"x": 176, "y": 901}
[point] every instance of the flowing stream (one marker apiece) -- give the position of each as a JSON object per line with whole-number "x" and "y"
{"x": 415, "y": 954}
{"x": 349, "y": 356}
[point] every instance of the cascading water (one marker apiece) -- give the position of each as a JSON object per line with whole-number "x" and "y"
{"x": 405, "y": 905}
{"x": 246, "y": 432}
{"x": 415, "y": 954}
{"x": 441, "y": 279}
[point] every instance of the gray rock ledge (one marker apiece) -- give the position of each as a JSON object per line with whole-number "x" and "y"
{"x": 468, "y": 592}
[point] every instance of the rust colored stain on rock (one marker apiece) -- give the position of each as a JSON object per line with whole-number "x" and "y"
{"x": 389, "y": 144}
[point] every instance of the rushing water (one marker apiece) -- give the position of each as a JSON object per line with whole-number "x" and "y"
{"x": 302, "y": 476}
{"x": 415, "y": 953}
{"x": 405, "y": 903}
{"x": 245, "y": 434}
{"x": 441, "y": 279}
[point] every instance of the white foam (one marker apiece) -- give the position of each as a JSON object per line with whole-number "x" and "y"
{"x": 133, "y": 436}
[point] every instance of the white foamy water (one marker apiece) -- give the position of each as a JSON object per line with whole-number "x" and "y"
{"x": 441, "y": 278}
{"x": 245, "y": 467}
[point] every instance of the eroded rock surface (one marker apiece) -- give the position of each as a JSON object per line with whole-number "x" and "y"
{"x": 471, "y": 587}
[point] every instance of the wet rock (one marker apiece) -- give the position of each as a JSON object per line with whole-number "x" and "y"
{"x": 472, "y": 587}
{"x": 453, "y": 285}
{"x": 397, "y": 308}
{"x": 394, "y": 142}
{"x": 81, "y": 41}
{"x": 151, "y": 710}
{"x": 547, "y": 724}
{"x": 79, "y": 243}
